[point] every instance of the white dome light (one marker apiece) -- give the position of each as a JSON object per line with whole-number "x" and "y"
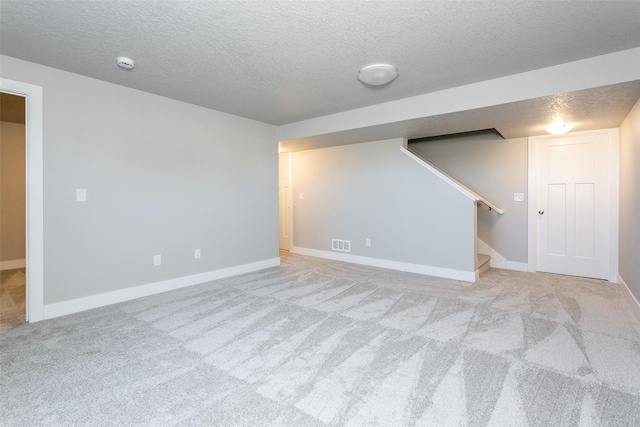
{"x": 559, "y": 128}
{"x": 377, "y": 74}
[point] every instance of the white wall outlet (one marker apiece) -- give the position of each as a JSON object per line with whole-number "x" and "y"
{"x": 368, "y": 242}
{"x": 197, "y": 254}
{"x": 518, "y": 197}
{"x": 301, "y": 196}
{"x": 81, "y": 194}
{"x": 157, "y": 260}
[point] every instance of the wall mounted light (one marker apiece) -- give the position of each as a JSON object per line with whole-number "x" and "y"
{"x": 559, "y": 127}
{"x": 378, "y": 74}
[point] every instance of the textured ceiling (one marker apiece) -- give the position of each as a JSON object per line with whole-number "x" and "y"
{"x": 284, "y": 61}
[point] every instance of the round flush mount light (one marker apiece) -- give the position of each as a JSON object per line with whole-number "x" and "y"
{"x": 559, "y": 128}
{"x": 126, "y": 63}
{"x": 377, "y": 74}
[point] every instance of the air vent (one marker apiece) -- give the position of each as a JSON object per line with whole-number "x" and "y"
{"x": 341, "y": 245}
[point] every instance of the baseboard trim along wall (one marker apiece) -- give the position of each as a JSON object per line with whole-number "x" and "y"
{"x": 447, "y": 273}
{"x": 94, "y": 301}
{"x": 633, "y": 301}
{"x": 498, "y": 261}
{"x": 10, "y": 265}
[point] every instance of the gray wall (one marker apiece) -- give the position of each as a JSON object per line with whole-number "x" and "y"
{"x": 372, "y": 190}
{"x": 12, "y": 191}
{"x": 629, "y": 246}
{"x": 495, "y": 168}
{"x": 162, "y": 177}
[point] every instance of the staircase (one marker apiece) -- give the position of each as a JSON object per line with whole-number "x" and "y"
{"x": 483, "y": 263}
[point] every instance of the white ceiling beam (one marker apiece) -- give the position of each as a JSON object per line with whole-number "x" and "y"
{"x": 617, "y": 67}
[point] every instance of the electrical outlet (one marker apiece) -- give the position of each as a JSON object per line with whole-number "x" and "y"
{"x": 518, "y": 197}
{"x": 197, "y": 254}
{"x": 368, "y": 242}
{"x": 301, "y": 196}
{"x": 157, "y": 260}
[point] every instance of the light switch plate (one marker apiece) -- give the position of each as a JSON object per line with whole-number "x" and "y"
{"x": 81, "y": 194}
{"x": 518, "y": 197}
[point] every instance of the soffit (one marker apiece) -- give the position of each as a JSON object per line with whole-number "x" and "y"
{"x": 597, "y": 108}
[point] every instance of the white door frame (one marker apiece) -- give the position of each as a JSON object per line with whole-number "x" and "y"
{"x": 614, "y": 205}
{"x": 35, "y": 193}
{"x": 290, "y": 223}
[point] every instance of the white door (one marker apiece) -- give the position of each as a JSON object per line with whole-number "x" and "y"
{"x": 573, "y": 204}
{"x": 284, "y": 187}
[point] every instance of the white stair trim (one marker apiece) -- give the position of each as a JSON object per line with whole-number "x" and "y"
{"x": 449, "y": 179}
{"x": 497, "y": 260}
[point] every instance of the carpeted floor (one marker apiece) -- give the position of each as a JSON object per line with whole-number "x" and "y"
{"x": 317, "y": 342}
{"x": 12, "y": 298}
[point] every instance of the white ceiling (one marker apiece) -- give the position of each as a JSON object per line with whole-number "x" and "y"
{"x": 284, "y": 61}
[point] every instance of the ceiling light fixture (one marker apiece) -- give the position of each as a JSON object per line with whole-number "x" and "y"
{"x": 377, "y": 74}
{"x": 559, "y": 127}
{"x": 126, "y": 63}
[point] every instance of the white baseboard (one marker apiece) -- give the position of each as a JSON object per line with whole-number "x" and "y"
{"x": 447, "y": 273}
{"x": 94, "y": 301}
{"x": 498, "y": 261}
{"x": 633, "y": 301}
{"x": 10, "y": 265}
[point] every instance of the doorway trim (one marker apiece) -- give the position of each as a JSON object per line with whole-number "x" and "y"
{"x": 613, "y": 176}
{"x": 35, "y": 192}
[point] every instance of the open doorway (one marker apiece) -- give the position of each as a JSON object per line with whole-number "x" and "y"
{"x": 284, "y": 211}
{"x": 13, "y": 275}
{"x": 34, "y": 246}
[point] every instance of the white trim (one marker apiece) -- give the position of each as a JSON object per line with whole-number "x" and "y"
{"x": 291, "y": 200}
{"x": 634, "y": 307}
{"x": 437, "y": 172}
{"x": 447, "y": 273}
{"x": 532, "y": 202}
{"x": 614, "y": 202}
{"x": 94, "y": 301}
{"x": 497, "y": 260}
{"x": 449, "y": 179}
{"x": 614, "y": 195}
{"x": 14, "y": 263}
{"x": 35, "y": 193}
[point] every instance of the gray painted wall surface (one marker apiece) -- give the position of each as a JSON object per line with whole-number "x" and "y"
{"x": 629, "y": 243}
{"x": 495, "y": 168}
{"x": 372, "y": 190}
{"x": 12, "y": 192}
{"x": 162, "y": 177}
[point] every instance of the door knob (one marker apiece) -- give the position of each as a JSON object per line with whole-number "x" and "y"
{"x": 540, "y": 212}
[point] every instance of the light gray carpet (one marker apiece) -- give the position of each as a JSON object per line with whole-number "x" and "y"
{"x": 316, "y": 342}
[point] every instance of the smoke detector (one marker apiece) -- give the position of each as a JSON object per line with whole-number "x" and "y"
{"x": 126, "y": 63}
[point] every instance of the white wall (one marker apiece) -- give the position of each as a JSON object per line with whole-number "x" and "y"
{"x": 12, "y": 191}
{"x": 162, "y": 177}
{"x": 629, "y": 243}
{"x": 372, "y": 190}
{"x": 496, "y": 168}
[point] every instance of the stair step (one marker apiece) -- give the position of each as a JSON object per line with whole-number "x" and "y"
{"x": 484, "y": 262}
